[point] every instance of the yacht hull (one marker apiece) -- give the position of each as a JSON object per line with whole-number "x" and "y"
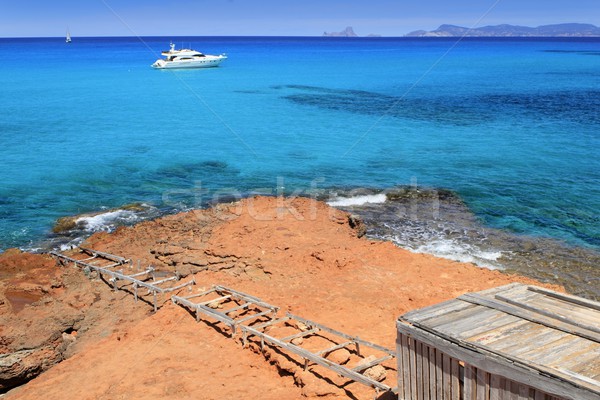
{"x": 205, "y": 63}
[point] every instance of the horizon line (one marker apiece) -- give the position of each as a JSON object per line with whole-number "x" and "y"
{"x": 305, "y": 36}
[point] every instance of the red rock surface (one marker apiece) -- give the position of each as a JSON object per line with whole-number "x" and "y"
{"x": 295, "y": 253}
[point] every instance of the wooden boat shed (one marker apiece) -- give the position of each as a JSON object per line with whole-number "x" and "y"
{"x": 513, "y": 342}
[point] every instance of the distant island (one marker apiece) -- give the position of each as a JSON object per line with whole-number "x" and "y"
{"x": 348, "y": 32}
{"x": 505, "y": 30}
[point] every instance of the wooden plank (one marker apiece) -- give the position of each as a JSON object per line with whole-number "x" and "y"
{"x": 419, "y": 371}
{"x": 216, "y": 300}
{"x": 587, "y": 365}
{"x": 531, "y": 316}
{"x": 482, "y": 387}
{"x": 406, "y": 374}
{"x": 496, "y": 387}
{"x": 446, "y": 377}
{"x": 510, "y": 367}
{"x": 463, "y": 317}
{"x": 455, "y": 378}
{"x": 432, "y": 373}
{"x": 365, "y": 366}
{"x": 271, "y": 322}
{"x": 523, "y": 392}
{"x": 399, "y": 366}
{"x": 553, "y": 315}
{"x": 244, "y": 296}
{"x": 112, "y": 257}
{"x": 470, "y": 386}
{"x": 413, "y": 368}
{"x": 487, "y": 327}
{"x": 331, "y": 349}
{"x": 425, "y": 368}
{"x": 439, "y": 374}
{"x": 433, "y": 311}
{"x": 239, "y": 294}
{"x": 539, "y": 395}
{"x": 532, "y": 337}
{"x": 573, "y": 299}
{"x": 215, "y": 314}
{"x": 515, "y": 287}
{"x": 160, "y": 282}
{"x": 576, "y": 312}
{"x": 514, "y": 390}
{"x": 174, "y": 288}
{"x": 554, "y": 353}
{"x": 300, "y": 334}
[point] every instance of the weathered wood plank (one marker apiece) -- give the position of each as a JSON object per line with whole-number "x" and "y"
{"x": 450, "y": 322}
{"x": 439, "y": 374}
{"x": 576, "y": 312}
{"x": 365, "y": 366}
{"x": 216, "y": 300}
{"x": 531, "y": 316}
{"x": 455, "y": 378}
{"x": 399, "y": 364}
{"x": 432, "y": 373}
{"x": 531, "y": 339}
{"x": 419, "y": 371}
{"x": 406, "y": 374}
{"x": 573, "y": 299}
{"x": 553, "y": 315}
{"x": 433, "y": 311}
{"x": 557, "y": 351}
{"x": 446, "y": 377}
{"x": 489, "y": 328}
{"x": 539, "y": 395}
{"x": 482, "y": 384}
{"x": 413, "y": 368}
{"x": 523, "y": 392}
{"x": 338, "y": 346}
{"x": 426, "y": 366}
{"x": 470, "y": 386}
{"x": 496, "y": 387}
{"x": 271, "y": 322}
{"x": 119, "y": 259}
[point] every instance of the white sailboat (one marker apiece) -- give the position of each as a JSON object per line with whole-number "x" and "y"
{"x": 68, "y": 38}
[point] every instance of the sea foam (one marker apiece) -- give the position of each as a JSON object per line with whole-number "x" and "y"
{"x": 358, "y": 200}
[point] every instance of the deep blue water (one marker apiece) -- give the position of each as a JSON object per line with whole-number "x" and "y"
{"x": 511, "y": 125}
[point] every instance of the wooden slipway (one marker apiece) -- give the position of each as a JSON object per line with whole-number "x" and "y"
{"x": 512, "y": 342}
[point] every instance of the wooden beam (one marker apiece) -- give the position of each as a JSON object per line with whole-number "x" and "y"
{"x": 536, "y": 316}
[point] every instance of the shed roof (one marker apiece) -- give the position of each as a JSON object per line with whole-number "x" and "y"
{"x": 526, "y": 327}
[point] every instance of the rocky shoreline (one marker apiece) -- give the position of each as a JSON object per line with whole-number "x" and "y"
{"x": 296, "y": 252}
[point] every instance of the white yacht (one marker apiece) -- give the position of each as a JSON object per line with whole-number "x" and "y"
{"x": 186, "y": 58}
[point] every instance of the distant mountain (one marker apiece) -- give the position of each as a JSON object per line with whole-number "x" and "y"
{"x": 348, "y": 32}
{"x": 505, "y": 30}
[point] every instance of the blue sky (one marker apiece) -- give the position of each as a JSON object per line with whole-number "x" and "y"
{"x": 25, "y": 18}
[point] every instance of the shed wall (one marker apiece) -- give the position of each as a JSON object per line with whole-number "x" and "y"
{"x": 427, "y": 373}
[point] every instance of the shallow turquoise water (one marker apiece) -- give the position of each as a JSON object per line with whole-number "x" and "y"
{"x": 511, "y": 125}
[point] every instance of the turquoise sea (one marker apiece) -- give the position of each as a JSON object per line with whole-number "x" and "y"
{"x": 512, "y": 126}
